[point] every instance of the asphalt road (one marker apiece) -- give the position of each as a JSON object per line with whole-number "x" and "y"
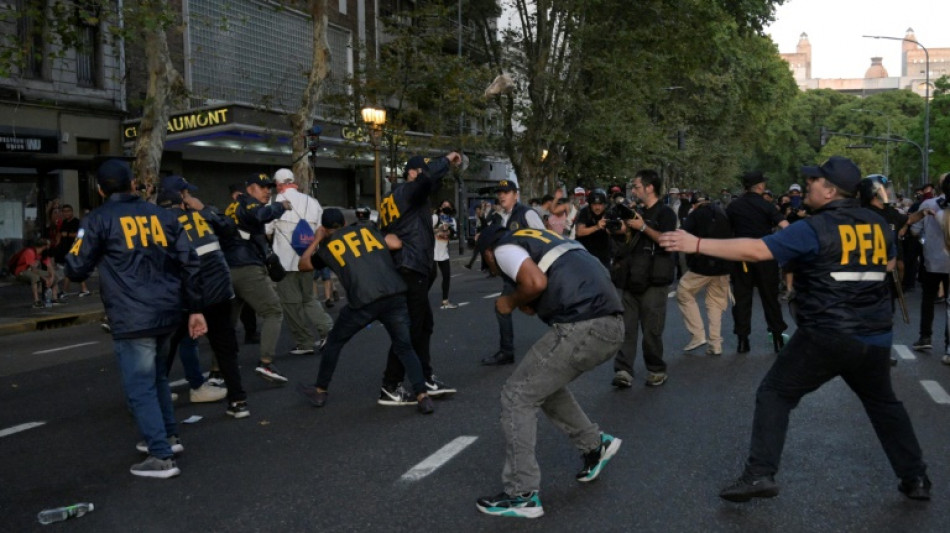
{"x": 356, "y": 466}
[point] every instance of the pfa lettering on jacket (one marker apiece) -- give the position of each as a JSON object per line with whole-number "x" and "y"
{"x": 142, "y": 231}
{"x": 195, "y": 225}
{"x": 863, "y": 243}
{"x": 353, "y": 245}
{"x": 544, "y": 235}
{"x": 388, "y": 212}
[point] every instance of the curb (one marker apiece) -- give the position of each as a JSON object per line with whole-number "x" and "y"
{"x": 26, "y": 325}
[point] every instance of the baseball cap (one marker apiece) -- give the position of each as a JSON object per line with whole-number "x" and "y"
{"x": 489, "y": 236}
{"x": 176, "y": 184}
{"x": 753, "y": 177}
{"x": 116, "y": 172}
{"x": 332, "y": 218}
{"x": 840, "y": 171}
{"x": 579, "y": 191}
{"x": 615, "y": 188}
{"x": 416, "y": 162}
{"x": 284, "y": 175}
{"x": 674, "y": 190}
{"x": 506, "y": 186}
{"x": 259, "y": 179}
{"x": 795, "y": 187}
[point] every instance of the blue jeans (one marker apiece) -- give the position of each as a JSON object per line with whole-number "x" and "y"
{"x": 188, "y": 353}
{"x": 142, "y": 365}
{"x": 540, "y": 381}
{"x": 394, "y": 316}
{"x": 811, "y": 358}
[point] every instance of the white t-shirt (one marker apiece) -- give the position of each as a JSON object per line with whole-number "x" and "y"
{"x": 302, "y": 207}
{"x": 509, "y": 258}
{"x": 442, "y": 237}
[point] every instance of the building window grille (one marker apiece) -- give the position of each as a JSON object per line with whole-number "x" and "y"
{"x": 30, "y": 29}
{"x": 87, "y": 50}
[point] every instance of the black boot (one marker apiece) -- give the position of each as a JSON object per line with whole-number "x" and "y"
{"x": 778, "y": 341}
{"x": 499, "y": 358}
{"x": 743, "y": 346}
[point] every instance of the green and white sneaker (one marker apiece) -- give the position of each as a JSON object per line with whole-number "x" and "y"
{"x": 524, "y": 505}
{"x": 596, "y": 459}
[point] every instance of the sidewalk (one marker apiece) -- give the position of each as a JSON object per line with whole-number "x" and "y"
{"x": 17, "y": 314}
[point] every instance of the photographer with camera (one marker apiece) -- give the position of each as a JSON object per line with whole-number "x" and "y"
{"x": 642, "y": 272}
{"x": 592, "y": 229}
{"x": 446, "y": 229}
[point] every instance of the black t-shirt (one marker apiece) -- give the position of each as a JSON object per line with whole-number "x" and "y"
{"x": 597, "y": 243}
{"x": 752, "y": 216}
{"x": 71, "y": 227}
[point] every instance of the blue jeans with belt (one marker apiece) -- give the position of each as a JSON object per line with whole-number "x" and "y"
{"x": 811, "y": 358}
{"x": 540, "y": 382}
{"x": 145, "y": 381}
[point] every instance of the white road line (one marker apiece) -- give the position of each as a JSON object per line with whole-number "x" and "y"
{"x": 61, "y": 348}
{"x": 22, "y": 427}
{"x": 935, "y": 391}
{"x": 904, "y": 352}
{"x": 492, "y": 295}
{"x": 461, "y": 304}
{"x": 437, "y": 459}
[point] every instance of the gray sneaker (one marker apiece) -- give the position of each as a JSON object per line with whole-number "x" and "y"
{"x": 622, "y": 379}
{"x": 155, "y": 467}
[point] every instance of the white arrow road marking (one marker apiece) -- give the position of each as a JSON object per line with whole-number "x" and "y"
{"x": 904, "y": 352}
{"x": 935, "y": 391}
{"x": 433, "y": 462}
{"x": 61, "y": 348}
{"x": 22, "y": 427}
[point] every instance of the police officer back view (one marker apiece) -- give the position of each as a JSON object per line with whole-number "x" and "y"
{"x": 840, "y": 256}
{"x": 753, "y": 217}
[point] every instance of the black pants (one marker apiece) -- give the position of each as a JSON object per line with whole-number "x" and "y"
{"x": 912, "y": 251}
{"x": 763, "y": 276}
{"x": 224, "y": 344}
{"x": 445, "y": 269}
{"x": 420, "y": 326}
{"x": 812, "y": 358}
{"x": 249, "y": 320}
{"x": 930, "y": 283}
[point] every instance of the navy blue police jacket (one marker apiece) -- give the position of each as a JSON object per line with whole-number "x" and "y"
{"x": 202, "y": 229}
{"x": 247, "y": 245}
{"x": 148, "y": 271}
{"x": 406, "y": 213}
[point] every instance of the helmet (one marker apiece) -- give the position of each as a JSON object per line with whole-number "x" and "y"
{"x": 597, "y": 196}
{"x": 876, "y": 185}
{"x": 363, "y": 213}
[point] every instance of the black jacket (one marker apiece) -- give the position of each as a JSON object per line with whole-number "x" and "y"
{"x": 148, "y": 271}
{"x": 248, "y": 245}
{"x": 202, "y": 229}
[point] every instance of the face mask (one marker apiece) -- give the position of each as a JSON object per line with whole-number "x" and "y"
{"x": 795, "y": 201}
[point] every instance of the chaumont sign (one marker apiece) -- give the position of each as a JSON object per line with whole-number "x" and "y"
{"x": 191, "y": 121}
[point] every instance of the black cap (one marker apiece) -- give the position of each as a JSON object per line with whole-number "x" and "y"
{"x": 840, "y": 171}
{"x": 506, "y": 185}
{"x": 259, "y": 179}
{"x": 416, "y": 162}
{"x": 489, "y": 236}
{"x": 332, "y": 218}
{"x": 753, "y": 177}
{"x": 116, "y": 172}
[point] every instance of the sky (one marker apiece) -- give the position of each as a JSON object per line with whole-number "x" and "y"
{"x": 835, "y": 27}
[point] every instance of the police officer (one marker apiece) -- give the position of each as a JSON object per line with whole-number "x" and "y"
{"x": 359, "y": 255}
{"x": 202, "y": 226}
{"x": 514, "y": 215}
{"x": 586, "y": 330}
{"x": 406, "y": 213}
{"x": 245, "y": 252}
{"x": 753, "y": 217}
{"x": 840, "y": 256}
{"x": 146, "y": 266}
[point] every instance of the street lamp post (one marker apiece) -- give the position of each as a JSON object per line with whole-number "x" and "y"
{"x": 375, "y": 118}
{"x": 926, "y": 173}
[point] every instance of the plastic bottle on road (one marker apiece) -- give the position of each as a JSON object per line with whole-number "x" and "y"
{"x": 62, "y": 513}
{"x": 48, "y": 296}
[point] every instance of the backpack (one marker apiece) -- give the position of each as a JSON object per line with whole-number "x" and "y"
{"x": 15, "y": 260}
{"x": 302, "y": 237}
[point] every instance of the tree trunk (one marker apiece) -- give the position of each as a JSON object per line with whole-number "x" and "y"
{"x": 302, "y": 120}
{"x": 165, "y": 87}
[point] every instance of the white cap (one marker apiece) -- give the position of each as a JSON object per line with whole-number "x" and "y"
{"x": 674, "y": 190}
{"x": 795, "y": 187}
{"x": 284, "y": 175}
{"x": 579, "y": 190}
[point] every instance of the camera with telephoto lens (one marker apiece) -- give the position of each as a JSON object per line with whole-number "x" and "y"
{"x": 615, "y": 217}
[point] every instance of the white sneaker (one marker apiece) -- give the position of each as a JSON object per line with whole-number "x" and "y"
{"x": 173, "y": 441}
{"x": 207, "y": 393}
{"x": 448, "y": 305}
{"x": 301, "y": 350}
{"x": 693, "y": 344}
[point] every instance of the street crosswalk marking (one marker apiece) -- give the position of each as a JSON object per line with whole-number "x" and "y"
{"x": 433, "y": 462}
{"x": 904, "y": 352}
{"x": 61, "y": 348}
{"x": 935, "y": 391}
{"x": 22, "y": 427}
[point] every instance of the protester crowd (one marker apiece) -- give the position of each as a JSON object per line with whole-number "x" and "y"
{"x": 839, "y": 249}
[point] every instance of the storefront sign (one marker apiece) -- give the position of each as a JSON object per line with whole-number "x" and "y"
{"x": 195, "y": 120}
{"x": 33, "y": 143}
